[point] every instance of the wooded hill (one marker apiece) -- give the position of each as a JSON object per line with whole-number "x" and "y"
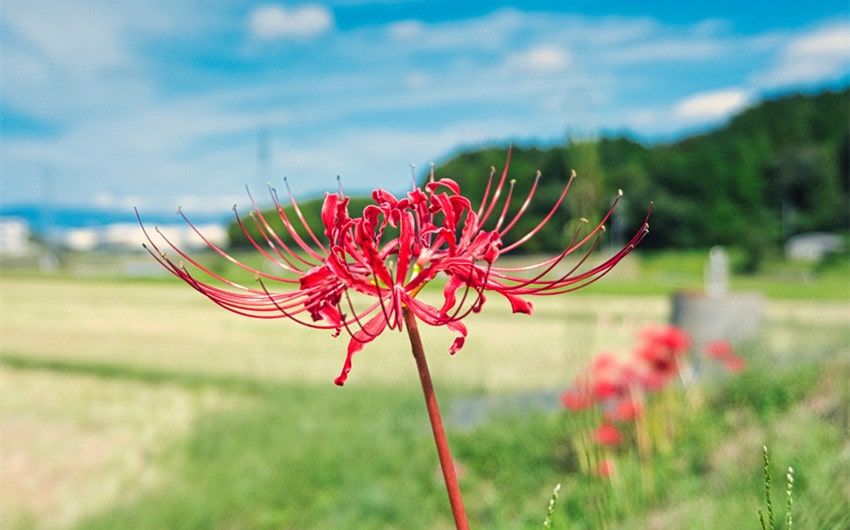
{"x": 775, "y": 170}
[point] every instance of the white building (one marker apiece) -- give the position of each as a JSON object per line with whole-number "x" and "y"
{"x": 812, "y": 246}
{"x": 129, "y": 236}
{"x": 14, "y": 237}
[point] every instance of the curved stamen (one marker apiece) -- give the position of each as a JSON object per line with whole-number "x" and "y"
{"x": 524, "y": 206}
{"x": 545, "y": 220}
{"x": 479, "y": 289}
{"x": 486, "y": 191}
{"x": 292, "y": 316}
{"x": 281, "y": 260}
{"x": 270, "y": 235}
{"x": 498, "y": 191}
{"x": 505, "y": 206}
{"x": 281, "y": 212}
{"x": 301, "y": 216}
{"x": 356, "y": 319}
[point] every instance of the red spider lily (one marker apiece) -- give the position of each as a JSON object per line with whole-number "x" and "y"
{"x": 723, "y": 352}
{"x": 625, "y": 409}
{"x": 659, "y": 352}
{"x": 612, "y": 377}
{"x": 611, "y": 383}
{"x": 389, "y": 253}
{"x": 607, "y": 434}
{"x": 718, "y": 349}
{"x": 578, "y": 396}
{"x": 606, "y": 468}
{"x": 734, "y": 364}
{"x": 668, "y": 339}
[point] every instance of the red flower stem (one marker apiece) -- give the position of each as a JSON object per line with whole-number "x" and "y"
{"x": 446, "y": 462}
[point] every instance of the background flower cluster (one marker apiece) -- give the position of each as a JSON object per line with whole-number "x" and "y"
{"x": 638, "y": 397}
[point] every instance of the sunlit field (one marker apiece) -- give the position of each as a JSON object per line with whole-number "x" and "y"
{"x": 141, "y": 404}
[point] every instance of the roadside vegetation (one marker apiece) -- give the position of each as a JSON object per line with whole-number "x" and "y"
{"x": 137, "y": 403}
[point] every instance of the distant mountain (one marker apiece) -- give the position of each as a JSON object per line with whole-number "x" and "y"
{"x": 47, "y": 220}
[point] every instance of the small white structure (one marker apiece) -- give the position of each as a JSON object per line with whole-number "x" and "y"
{"x": 717, "y": 273}
{"x": 14, "y": 237}
{"x": 81, "y": 239}
{"x": 812, "y": 246}
{"x": 128, "y": 236}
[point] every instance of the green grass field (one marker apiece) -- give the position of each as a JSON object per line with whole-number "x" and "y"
{"x": 140, "y": 404}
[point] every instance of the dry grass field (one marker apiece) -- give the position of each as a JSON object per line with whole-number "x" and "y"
{"x": 73, "y": 442}
{"x": 166, "y": 326}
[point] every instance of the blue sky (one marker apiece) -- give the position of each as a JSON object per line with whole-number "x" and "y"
{"x": 164, "y": 103}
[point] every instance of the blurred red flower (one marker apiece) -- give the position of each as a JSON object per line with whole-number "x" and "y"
{"x": 659, "y": 352}
{"x": 578, "y": 396}
{"x": 606, "y": 468}
{"x": 625, "y": 409}
{"x": 723, "y": 352}
{"x": 607, "y": 434}
{"x": 718, "y": 349}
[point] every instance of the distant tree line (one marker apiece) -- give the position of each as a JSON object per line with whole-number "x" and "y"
{"x": 777, "y": 169}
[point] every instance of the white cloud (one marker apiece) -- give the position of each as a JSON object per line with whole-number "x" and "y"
{"x": 821, "y": 54}
{"x": 488, "y": 32}
{"x": 830, "y": 41}
{"x": 542, "y": 59}
{"x": 77, "y": 38}
{"x": 710, "y": 106}
{"x": 270, "y": 22}
{"x": 60, "y": 57}
{"x": 418, "y": 80}
{"x": 406, "y": 29}
{"x": 66, "y": 63}
{"x": 364, "y": 103}
{"x": 664, "y": 121}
